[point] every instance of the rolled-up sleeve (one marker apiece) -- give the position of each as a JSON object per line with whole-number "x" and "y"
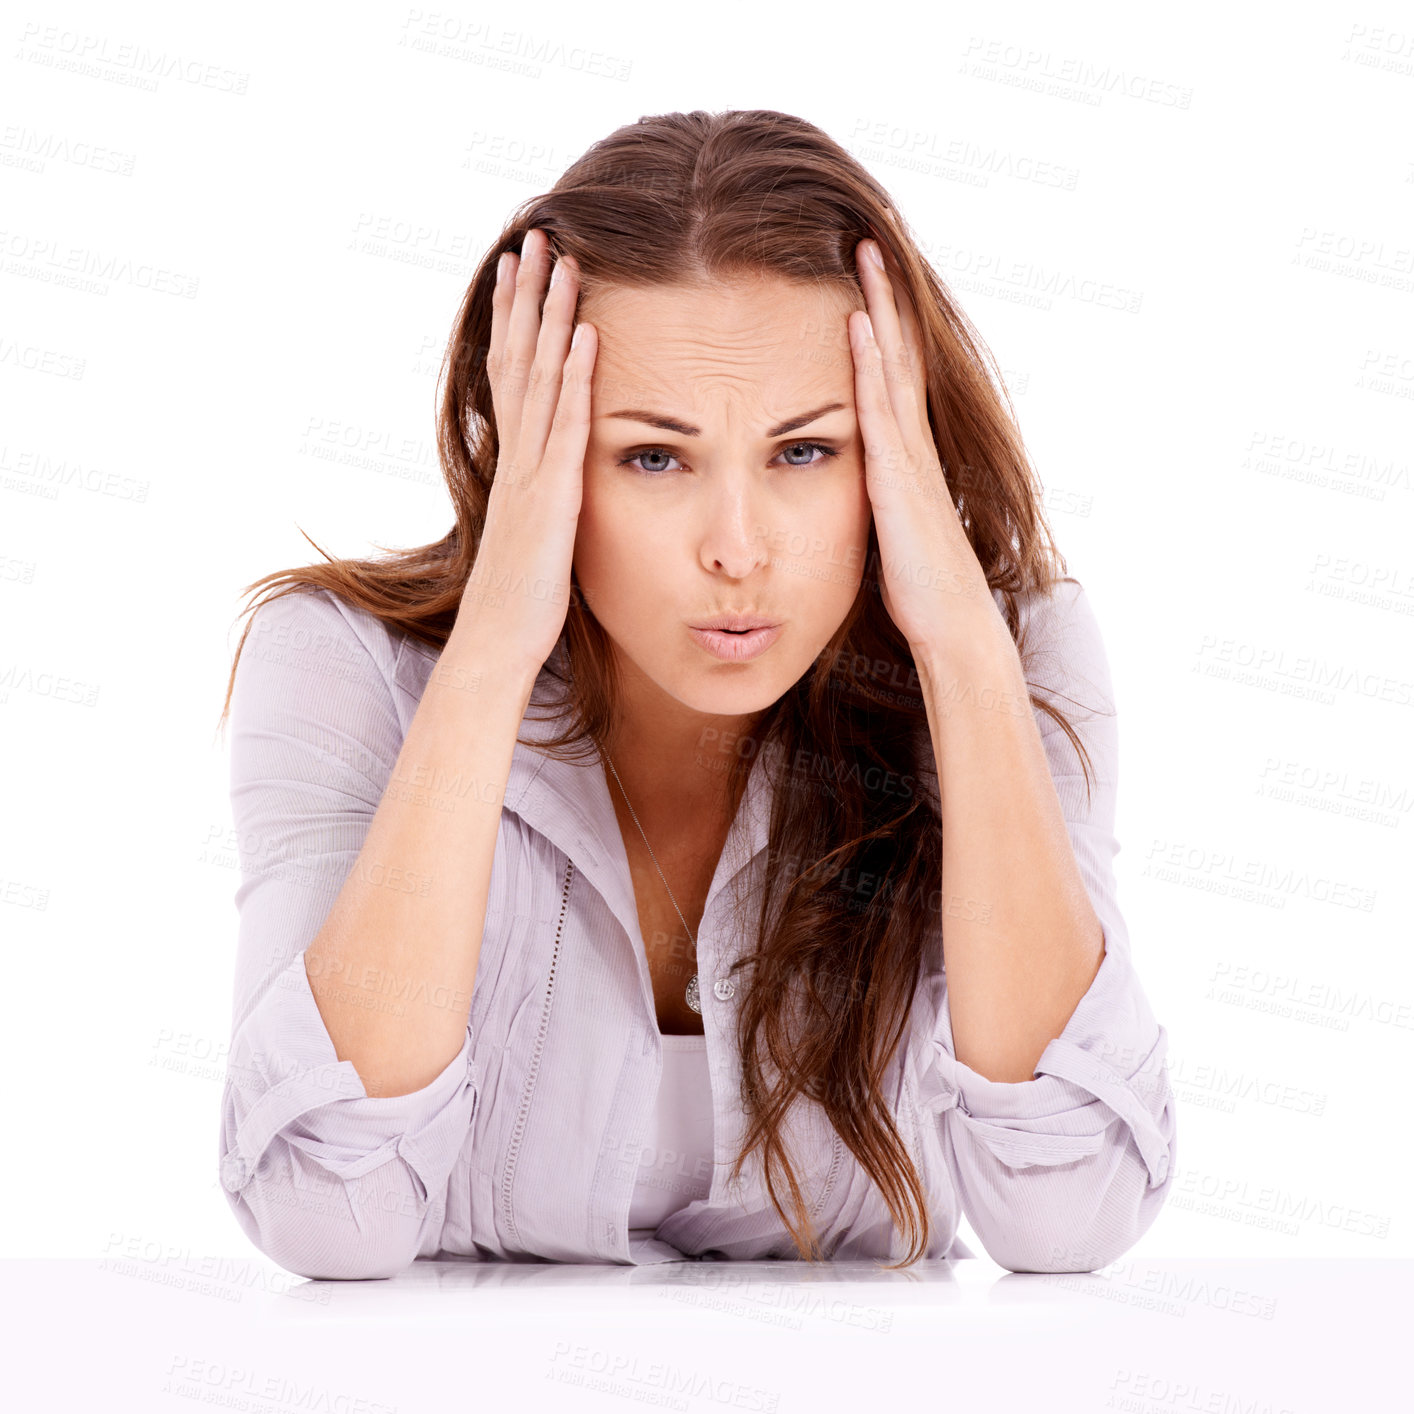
{"x": 1066, "y": 1171}
{"x": 324, "y": 1179}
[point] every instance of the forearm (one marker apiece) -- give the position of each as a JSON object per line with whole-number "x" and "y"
{"x": 405, "y": 930}
{"x": 1018, "y": 964}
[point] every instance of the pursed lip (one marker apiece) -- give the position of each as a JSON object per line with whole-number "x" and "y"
{"x": 735, "y": 624}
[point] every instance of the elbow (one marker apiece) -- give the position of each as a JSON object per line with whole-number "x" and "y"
{"x": 323, "y": 1228}
{"x": 320, "y": 1261}
{"x": 1018, "y": 1252}
{"x": 1058, "y": 1247}
{"x": 1079, "y": 1221}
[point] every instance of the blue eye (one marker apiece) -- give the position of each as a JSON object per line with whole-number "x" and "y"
{"x": 827, "y": 453}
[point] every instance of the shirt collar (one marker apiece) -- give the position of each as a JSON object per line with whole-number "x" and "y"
{"x": 570, "y": 805}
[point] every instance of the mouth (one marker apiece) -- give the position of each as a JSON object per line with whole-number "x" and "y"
{"x": 734, "y": 624}
{"x": 737, "y": 644}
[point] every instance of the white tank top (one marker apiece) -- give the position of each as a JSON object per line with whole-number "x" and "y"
{"x": 676, "y": 1163}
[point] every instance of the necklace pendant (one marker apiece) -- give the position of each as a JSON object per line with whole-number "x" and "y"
{"x": 694, "y": 1000}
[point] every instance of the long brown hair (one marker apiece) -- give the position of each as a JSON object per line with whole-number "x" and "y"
{"x": 680, "y": 198}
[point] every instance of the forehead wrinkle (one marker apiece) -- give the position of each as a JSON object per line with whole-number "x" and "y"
{"x": 696, "y": 357}
{"x": 684, "y": 379}
{"x": 682, "y": 350}
{"x": 726, "y": 395}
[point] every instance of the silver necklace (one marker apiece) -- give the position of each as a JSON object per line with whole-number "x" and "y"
{"x": 693, "y": 997}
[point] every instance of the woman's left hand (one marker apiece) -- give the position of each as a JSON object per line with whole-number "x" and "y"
{"x": 934, "y": 588}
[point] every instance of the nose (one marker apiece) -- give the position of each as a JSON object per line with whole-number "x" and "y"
{"x": 735, "y": 541}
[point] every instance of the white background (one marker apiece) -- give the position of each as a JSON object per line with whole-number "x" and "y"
{"x": 1227, "y": 469}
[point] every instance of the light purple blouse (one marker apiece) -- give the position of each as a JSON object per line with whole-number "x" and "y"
{"x": 529, "y": 1145}
{"x": 677, "y": 1161}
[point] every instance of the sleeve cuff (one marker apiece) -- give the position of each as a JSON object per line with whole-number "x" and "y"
{"x": 283, "y": 1067}
{"x": 1107, "y": 1065}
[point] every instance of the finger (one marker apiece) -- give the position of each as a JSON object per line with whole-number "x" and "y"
{"x": 502, "y": 295}
{"x": 903, "y": 379}
{"x": 518, "y": 353}
{"x": 913, "y": 340}
{"x": 543, "y": 388}
{"x": 569, "y": 433}
{"x": 884, "y": 462}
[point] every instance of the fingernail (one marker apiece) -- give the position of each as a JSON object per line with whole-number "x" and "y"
{"x": 872, "y": 251}
{"x": 556, "y": 273}
{"x": 501, "y": 266}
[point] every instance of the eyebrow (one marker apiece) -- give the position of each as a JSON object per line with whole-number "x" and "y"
{"x": 686, "y": 429}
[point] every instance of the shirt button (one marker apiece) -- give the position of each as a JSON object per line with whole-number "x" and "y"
{"x": 1163, "y": 1167}
{"x": 233, "y": 1172}
{"x": 724, "y": 989}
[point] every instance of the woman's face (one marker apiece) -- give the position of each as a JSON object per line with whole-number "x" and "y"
{"x": 726, "y": 513}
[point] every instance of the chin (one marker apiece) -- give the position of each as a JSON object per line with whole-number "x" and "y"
{"x": 738, "y": 702}
{"x": 754, "y": 690}
{"x": 720, "y": 689}
{"x": 712, "y": 686}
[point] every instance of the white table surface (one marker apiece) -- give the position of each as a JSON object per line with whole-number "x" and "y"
{"x": 161, "y": 1330}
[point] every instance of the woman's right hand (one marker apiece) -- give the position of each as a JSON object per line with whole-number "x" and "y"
{"x": 519, "y": 587}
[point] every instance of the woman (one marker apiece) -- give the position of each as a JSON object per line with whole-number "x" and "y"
{"x": 800, "y": 936}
